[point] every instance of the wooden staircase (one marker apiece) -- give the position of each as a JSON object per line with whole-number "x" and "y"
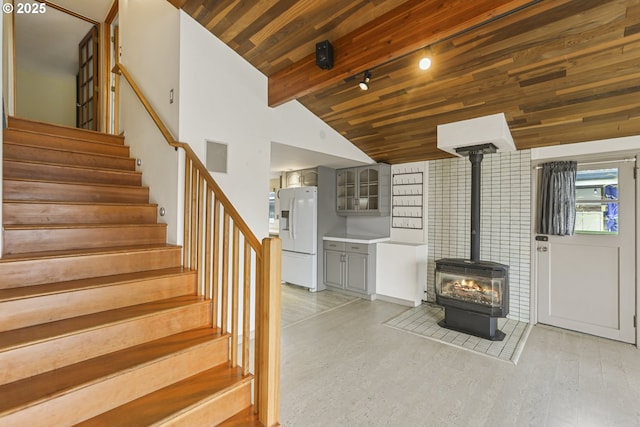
{"x": 100, "y": 325}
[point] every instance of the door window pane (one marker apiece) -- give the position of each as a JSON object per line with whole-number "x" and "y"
{"x": 597, "y": 201}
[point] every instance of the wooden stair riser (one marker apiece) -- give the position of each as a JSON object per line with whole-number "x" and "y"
{"x": 66, "y": 192}
{"x": 24, "y": 312}
{"x": 214, "y": 410}
{"x": 35, "y": 358}
{"x": 118, "y": 390}
{"x": 63, "y": 157}
{"x": 65, "y": 143}
{"x": 41, "y": 238}
{"x": 38, "y": 271}
{"x": 48, "y": 128}
{"x": 15, "y": 213}
{"x": 61, "y": 173}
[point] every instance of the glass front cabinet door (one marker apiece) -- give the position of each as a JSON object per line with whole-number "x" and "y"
{"x": 365, "y": 190}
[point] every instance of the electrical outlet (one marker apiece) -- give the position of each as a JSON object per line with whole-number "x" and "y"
{"x": 171, "y": 96}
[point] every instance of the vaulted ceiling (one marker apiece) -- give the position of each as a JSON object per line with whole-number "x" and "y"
{"x": 562, "y": 71}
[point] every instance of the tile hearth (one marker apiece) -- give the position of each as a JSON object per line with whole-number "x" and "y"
{"x": 423, "y": 321}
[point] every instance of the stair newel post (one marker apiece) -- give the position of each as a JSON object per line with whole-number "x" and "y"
{"x": 268, "y": 333}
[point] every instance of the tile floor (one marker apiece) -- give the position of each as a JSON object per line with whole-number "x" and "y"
{"x": 423, "y": 321}
{"x": 344, "y": 367}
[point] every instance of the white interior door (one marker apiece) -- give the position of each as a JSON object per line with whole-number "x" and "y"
{"x": 586, "y": 282}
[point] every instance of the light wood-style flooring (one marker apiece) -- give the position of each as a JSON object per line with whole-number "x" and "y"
{"x": 299, "y": 304}
{"x": 343, "y": 367}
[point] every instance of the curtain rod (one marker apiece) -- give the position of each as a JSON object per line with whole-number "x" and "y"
{"x": 632, "y": 159}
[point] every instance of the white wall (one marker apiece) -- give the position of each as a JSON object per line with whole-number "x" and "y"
{"x": 150, "y": 41}
{"x": 149, "y": 36}
{"x": 223, "y": 98}
{"x": 47, "y": 95}
{"x": 294, "y": 124}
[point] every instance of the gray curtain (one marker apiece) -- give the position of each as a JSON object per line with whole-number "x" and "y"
{"x": 557, "y": 215}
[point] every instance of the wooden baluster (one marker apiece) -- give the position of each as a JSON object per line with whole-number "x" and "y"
{"x": 207, "y": 249}
{"x": 224, "y": 296}
{"x": 194, "y": 218}
{"x": 268, "y": 322}
{"x": 246, "y": 307}
{"x": 234, "y": 296}
{"x": 216, "y": 261}
{"x": 187, "y": 215}
{"x": 201, "y": 250}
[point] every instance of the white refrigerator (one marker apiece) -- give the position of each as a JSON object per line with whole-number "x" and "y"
{"x": 299, "y": 235}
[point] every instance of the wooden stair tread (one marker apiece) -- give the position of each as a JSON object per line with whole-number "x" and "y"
{"x": 63, "y": 212}
{"x": 93, "y": 282}
{"x": 17, "y": 151}
{"x": 24, "y": 123}
{"x": 64, "y": 380}
{"x": 19, "y": 136}
{"x": 114, "y": 171}
{"x": 173, "y": 400}
{"x": 25, "y": 189}
{"x": 77, "y": 203}
{"x": 11, "y": 131}
{"x": 83, "y": 252}
{"x": 33, "y": 334}
{"x": 61, "y": 149}
{"x": 34, "y": 227}
{"x": 244, "y": 418}
{"x": 87, "y": 184}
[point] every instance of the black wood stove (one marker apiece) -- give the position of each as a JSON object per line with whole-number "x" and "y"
{"x": 474, "y": 293}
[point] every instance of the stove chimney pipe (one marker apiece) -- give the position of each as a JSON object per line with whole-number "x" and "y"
{"x": 475, "y": 157}
{"x": 475, "y": 153}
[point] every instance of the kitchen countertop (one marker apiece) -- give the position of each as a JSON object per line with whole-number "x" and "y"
{"x": 354, "y": 238}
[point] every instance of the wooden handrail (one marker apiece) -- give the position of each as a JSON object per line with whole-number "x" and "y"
{"x": 216, "y": 241}
{"x": 244, "y": 228}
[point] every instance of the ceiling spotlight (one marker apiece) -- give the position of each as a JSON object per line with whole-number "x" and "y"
{"x": 364, "y": 84}
{"x": 425, "y": 63}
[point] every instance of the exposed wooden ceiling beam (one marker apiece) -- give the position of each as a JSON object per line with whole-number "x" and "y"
{"x": 405, "y": 29}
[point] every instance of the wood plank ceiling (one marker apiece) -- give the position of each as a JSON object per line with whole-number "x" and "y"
{"x": 562, "y": 71}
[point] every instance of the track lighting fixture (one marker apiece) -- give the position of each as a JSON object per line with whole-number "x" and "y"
{"x": 364, "y": 84}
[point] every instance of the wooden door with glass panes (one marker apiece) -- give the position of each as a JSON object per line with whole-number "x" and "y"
{"x": 87, "y": 109}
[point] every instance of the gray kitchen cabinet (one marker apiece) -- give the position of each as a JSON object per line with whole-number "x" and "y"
{"x": 301, "y": 178}
{"x": 350, "y": 267}
{"x": 365, "y": 190}
{"x": 333, "y": 268}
